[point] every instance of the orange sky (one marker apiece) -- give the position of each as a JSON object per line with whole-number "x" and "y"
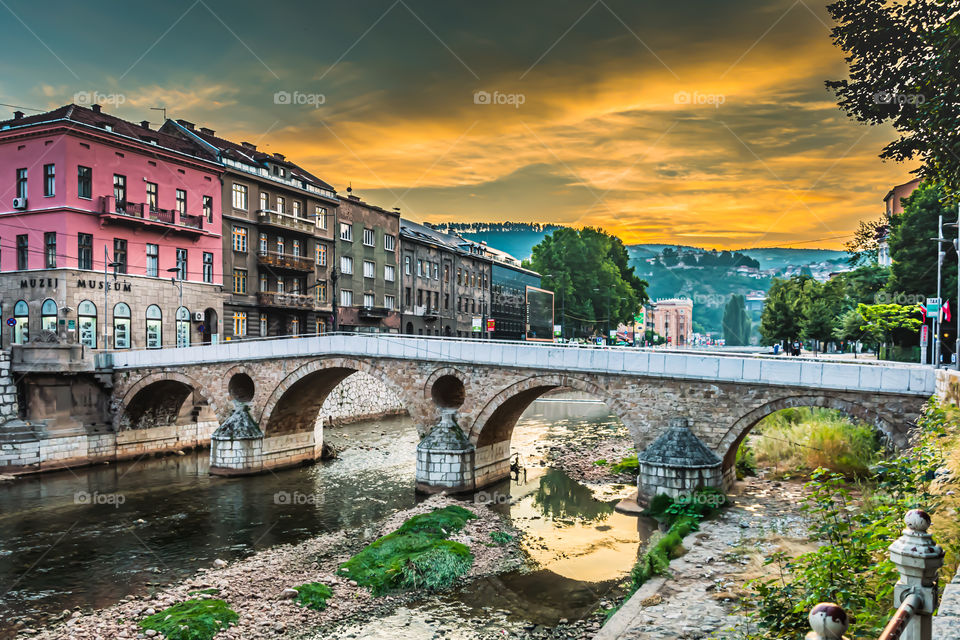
{"x": 698, "y": 123}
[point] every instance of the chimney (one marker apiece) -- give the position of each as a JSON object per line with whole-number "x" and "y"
{"x": 279, "y": 156}
{"x": 17, "y": 115}
{"x": 248, "y": 145}
{"x": 206, "y": 131}
{"x": 185, "y": 124}
{"x": 95, "y": 107}
{"x": 145, "y": 124}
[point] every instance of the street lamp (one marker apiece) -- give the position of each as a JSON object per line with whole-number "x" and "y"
{"x": 113, "y": 265}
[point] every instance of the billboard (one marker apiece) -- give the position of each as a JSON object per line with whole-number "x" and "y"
{"x": 539, "y": 314}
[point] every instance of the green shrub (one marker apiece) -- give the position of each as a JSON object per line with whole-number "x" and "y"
{"x": 416, "y": 555}
{"x": 501, "y": 538}
{"x": 746, "y": 463}
{"x": 191, "y": 620}
{"x": 629, "y": 464}
{"x": 313, "y": 595}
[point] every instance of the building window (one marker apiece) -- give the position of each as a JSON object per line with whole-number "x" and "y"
{"x": 368, "y": 237}
{"x": 281, "y": 204}
{"x": 181, "y": 201}
{"x": 239, "y": 324}
{"x": 21, "y": 317}
{"x": 181, "y": 264}
{"x": 49, "y": 180}
{"x": 436, "y": 270}
{"x": 153, "y": 260}
{"x": 369, "y": 269}
{"x": 296, "y": 248}
{"x": 346, "y": 265}
{"x": 263, "y": 243}
{"x": 263, "y": 325}
{"x": 207, "y": 267}
{"x": 446, "y": 301}
{"x": 294, "y": 326}
{"x": 264, "y": 201}
{"x": 154, "y": 327}
{"x": 279, "y": 284}
{"x": 420, "y": 268}
{"x": 346, "y": 298}
{"x": 389, "y": 272}
{"x": 240, "y": 196}
{"x": 346, "y": 231}
{"x": 120, "y": 192}
{"x": 120, "y": 255}
{"x": 85, "y": 251}
{"x": 458, "y": 276}
{"x": 121, "y": 326}
{"x": 321, "y": 254}
{"x": 183, "y": 327}
{"x": 87, "y": 323}
{"x": 152, "y": 197}
{"x": 50, "y": 249}
{"x": 296, "y": 209}
{"x": 23, "y": 252}
{"x": 406, "y": 265}
{"x": 280, "y": 244}
{"x": 390, "y": 302}
{"x": 239, "y": 238}
{"x": 322, "y": 291}
{"x": 239, "y": 280}
{"x": 208, "y": 208}
{"x": 406, "y": 296}
{"x": 264, "y": 282}
{"x": 368, "y": 300}
{"x": 389, "y": 242}
{"x": 321, "y": 215}
{"x": 321, "y": 327}
{"x": 21, "y": 183}
{"x": 48, "y": 316}
{"x": 84, "y": 182}
{"x": 446, "y": 273}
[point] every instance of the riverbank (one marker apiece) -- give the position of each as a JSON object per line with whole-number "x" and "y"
{"x": 701, "y": 596}
{"x": 253, "y": 586}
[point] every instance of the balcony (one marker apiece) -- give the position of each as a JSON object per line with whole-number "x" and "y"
{"x": 140, "y": 213}
{"x": 286, "y": 221}
{"x": 374, "y": 312}
{"x": 285, "y": 300}
{"x": 427, "y": 312}
{"x": 277, "y": 260}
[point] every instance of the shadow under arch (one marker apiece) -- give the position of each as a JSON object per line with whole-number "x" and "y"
{"x": 295, "y": 403}
{"x": 738, "y": 431}
{"x": 161, "y": 399}
{"x": 496, "y": 421}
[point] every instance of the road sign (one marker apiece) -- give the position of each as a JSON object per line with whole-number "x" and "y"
{"x": 935, "y": 301}
{"x": 11, "y": 322}
{"x": 477, "y": 324}
{"x": 924, "y": 336}
{"x": 556, "y": 330}
{"x": 490, "y": 324}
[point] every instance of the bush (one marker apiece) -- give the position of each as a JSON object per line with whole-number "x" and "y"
{"x": 629, "y": 464}
{"x": 313, "y": 595}
{"x": 191, "y": 620}
{"x": 501, "y": 538}
{"x": 416, "y": 555}
{"x": 746, "y": 464}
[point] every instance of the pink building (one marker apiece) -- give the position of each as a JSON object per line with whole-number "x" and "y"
{"x": 672, "y": 318}
{"x": 86, "y": 188}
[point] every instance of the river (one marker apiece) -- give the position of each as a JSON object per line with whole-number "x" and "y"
{"x": 88, "y": 537}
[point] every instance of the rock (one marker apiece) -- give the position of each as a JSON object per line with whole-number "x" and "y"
{"x": 150, "y": 633}
{"x": 219, "y": 564}
{"x": 181, "y": 453}
{"x": 288, "y": 594}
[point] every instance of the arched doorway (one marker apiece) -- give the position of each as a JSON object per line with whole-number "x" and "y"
{"x": 210, "y": 333}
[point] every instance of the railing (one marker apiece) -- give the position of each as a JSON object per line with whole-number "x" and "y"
{"x": 425, "y": 311}
{"x": 286, "y": 220}
{"x": 918, "y": 560}
{"x": 109, "y": 205}
{"x": 285, "y": 261}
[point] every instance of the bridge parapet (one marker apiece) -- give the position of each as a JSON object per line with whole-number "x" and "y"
{"x": 879, "y": 377}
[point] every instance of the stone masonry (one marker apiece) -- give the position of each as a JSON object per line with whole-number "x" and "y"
{"x": 288, "y": 393}
{"x": 359, "y": 397}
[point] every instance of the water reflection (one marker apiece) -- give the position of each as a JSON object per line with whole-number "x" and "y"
{"x": 559, "y": 497}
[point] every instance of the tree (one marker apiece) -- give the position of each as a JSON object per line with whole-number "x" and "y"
{"x": 864, "y": 284}
{"x": 819, "y": 320}
{"x": 913, "y": 250}
{"x": 590, "y": 269}
{"x": 865, "y": 246}
{"x": 781, "y": 315}
{"x": 848, "y": 326}
{"x": 880, "y": 321}
{"x": 904, "y": 70}
{"x": 736, "y": 322}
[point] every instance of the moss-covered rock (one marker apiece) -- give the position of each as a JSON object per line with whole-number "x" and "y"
{"x": 191, "y": 620}
{"x": 313, "y": 595}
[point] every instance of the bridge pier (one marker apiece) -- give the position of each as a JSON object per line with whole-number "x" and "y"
{"x": 446, "y": 458}
{"x": 677, "y": 464}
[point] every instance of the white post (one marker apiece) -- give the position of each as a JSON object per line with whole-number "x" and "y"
{"x": 828, "y": 621}
{"x": 918, "y": 559}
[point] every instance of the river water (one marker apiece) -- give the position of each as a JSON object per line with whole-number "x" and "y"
{"x": 90, "y": 536}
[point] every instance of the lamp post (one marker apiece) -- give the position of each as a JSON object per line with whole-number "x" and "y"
{"x": 178, "y": 281}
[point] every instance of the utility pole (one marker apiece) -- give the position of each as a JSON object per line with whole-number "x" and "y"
{"x": 936, "y": 320}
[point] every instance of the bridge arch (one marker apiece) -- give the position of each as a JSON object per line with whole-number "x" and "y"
{"x": 499, "y": 415}
{"x": 160, "y": 396}
{"x": 297, "y": 399}
{"x": 731, "y": 440}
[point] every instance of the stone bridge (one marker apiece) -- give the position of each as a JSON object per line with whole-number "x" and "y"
{"x": 266, "y": 395}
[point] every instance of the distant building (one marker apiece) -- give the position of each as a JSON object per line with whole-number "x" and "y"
{"x": 893, "y": 206}
{"x": 755, "y": 300}
{"x": 508, "y": 295}
{"x": 672, "y": 318}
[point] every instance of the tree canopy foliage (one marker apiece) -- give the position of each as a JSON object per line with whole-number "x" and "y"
{"x": 589, "y": 271}
{"x": 736, "y": 322}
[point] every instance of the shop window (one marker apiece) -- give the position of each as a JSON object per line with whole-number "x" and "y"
{"x": 154, "y": 327}
{"x": 183, "y": 327}
{"x": 87, "y": 323}
{"x": 48, "y": 316}
{"x": 21, "y": 330}
{"x": 121, "y": 326}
